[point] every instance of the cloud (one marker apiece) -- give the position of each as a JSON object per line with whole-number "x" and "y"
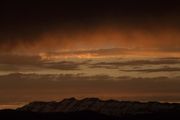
{"x": 29, "y": 87}
{"x": 163, "y": 69}
{"x": 97, "y": 42}
{"x": 64, "y": 65}
{"x": 15, "y": 63}
{"x": 117, "y": 65}
{"x": 19, "y": 59}
{"x": 20, "y": 63}
{"x": 109, "y": 52}
{"x": 88, "y": 53}
{"x": 55, "y": 26}
{"x": 72, "y": 81}
{"x": 9, "y": 62}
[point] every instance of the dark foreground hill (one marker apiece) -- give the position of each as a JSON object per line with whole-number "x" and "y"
{"x": 82, "y": 115}
{"x": 94, "y": 109}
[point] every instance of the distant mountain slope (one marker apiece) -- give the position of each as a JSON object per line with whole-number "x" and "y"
{"x": 109, "y": 107}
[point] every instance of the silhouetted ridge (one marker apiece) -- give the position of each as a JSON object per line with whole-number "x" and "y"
{"x": 108, "y": 107}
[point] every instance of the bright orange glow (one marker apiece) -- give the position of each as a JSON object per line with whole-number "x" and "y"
{"x": 160, "y": 41}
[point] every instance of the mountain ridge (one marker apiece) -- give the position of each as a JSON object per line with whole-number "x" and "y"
{"x": 107, "y": 107}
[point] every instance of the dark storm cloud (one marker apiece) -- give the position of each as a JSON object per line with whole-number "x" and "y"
{"x": 24, "y": 22}
{"x": 163, "y": 69}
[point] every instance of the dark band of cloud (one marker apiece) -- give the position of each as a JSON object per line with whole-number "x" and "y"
{"x": 64, "y": 65}
{"x": 163, "y": 69}
{"x": 31, "y": 87}
{"x": 24, "y": 62}
{"x": 9, "y": 62}
{"x": 116, "y": 65}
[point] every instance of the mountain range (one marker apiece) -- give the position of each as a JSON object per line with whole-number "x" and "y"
{"x": 94, "y": 108}
{"x": 108, "y": 107}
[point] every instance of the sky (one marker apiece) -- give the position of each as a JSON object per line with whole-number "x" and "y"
{"x": 111, "y": 49}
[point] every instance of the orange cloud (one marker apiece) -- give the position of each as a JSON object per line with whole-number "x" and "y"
{"x": 139, "y": 41}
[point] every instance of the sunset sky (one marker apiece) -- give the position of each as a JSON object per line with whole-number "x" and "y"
{"x": 119, "y": 49}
